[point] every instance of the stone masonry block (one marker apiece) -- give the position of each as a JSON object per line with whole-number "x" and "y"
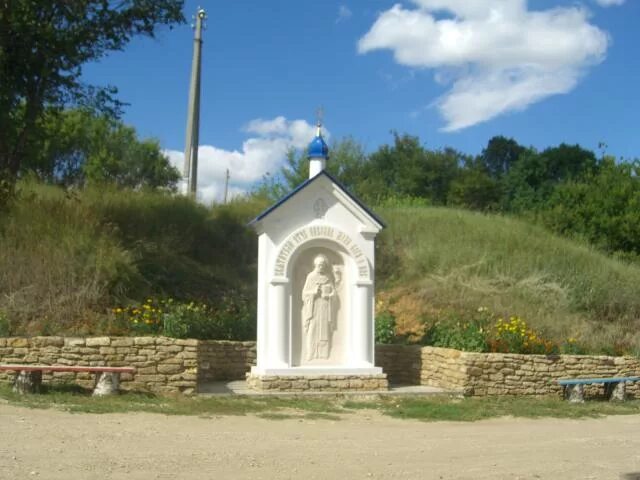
{"x": 171, "y": 368}
{"x": 122, "y": 342}
{"x": 74, "y": 342}
{"x": 17, "y": 342}
{"x": 98, "y": 342}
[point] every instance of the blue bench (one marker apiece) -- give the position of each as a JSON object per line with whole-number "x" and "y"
{"x": 614, "y": 387}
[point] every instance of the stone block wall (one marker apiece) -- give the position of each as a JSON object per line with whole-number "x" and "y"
{"x": 168, "y": 365}
{"x": 318, "y": 383}
{"x": 223, "y": 360}
{"x": 444, "y": 368}
{"x": 401, "y": 363}
{"x": 482, "y": 374}
{"x": 163, "y": 365}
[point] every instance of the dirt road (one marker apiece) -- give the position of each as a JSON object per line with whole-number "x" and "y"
{"x": 48, "y": 444}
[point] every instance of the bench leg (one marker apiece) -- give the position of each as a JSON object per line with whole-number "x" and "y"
{"x": 107, "y": 383}
{"x": 618, "y": 392}
{"x": 27, "y": 382}
{"x": 574, "y": 393}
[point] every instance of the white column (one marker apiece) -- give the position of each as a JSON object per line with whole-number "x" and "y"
{"x": 278, "y": 327}
{"x": 362, "y": 332}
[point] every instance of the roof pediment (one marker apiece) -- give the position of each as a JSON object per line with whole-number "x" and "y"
{"x": 314, "y": 198}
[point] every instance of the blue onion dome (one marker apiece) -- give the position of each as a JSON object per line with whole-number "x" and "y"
{"x": 318, "y": 148}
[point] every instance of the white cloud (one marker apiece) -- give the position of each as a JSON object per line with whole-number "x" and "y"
{"x": 344, "y": 13}
{"x": 609, "y": 3}
{"x": 263, "y": 152}
{"x": 498, "y": 55}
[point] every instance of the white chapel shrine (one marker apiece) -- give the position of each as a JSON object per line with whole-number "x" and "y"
{"x": 316, "y": 288}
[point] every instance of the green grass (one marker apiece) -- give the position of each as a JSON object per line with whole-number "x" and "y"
{"x": 455, "y": 259}
{"x": 474, "y": 409}
{"x": 76, "y": 400}
{"x": 67, "y": 257}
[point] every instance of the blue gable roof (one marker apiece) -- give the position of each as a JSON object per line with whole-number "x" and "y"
{"x": 308, "y": 182}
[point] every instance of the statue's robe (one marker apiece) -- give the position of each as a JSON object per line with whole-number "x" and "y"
{"x": 319, "y": 299}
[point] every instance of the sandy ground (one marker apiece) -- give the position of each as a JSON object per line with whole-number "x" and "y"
{"x": 48, "y": 444}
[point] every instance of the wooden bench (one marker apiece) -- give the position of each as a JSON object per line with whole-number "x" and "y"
{"x": 29, "y": 377}
{"x": 614, "y": 387}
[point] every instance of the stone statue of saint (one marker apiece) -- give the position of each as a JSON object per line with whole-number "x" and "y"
{"x": 318, "y": 306}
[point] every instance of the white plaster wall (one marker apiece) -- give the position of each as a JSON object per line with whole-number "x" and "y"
{"x": 320, "y": 218}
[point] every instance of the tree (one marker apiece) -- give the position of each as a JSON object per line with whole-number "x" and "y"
{"x": 347, "y": 162}
{"x": 532, "y": 180}
{"x": 603, "y": 208}
{"x": 407, "y": 169}
{"x": 43, "y": 46}
{"x": 81, "y": 147}
{"x": 500, "y": 155}
{"x": 475, "y": 189}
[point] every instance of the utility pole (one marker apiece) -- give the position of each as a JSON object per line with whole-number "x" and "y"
{"x": 226, "y": 186}
{"x": 193, "y": 111}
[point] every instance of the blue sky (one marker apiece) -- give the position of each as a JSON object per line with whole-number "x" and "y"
{"x": 452, "y": 72}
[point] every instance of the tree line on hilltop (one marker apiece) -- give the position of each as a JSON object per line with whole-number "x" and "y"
{"x": 567, "y": 188}
{"x": 65, "y": 132}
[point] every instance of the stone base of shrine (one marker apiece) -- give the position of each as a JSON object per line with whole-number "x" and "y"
{"x": 374, "y": 382}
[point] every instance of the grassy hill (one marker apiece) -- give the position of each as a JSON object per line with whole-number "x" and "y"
{"x": 67, "y": 258}
{"x": 435, "y": 260}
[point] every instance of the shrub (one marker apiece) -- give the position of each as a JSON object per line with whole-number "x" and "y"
{"x": 515, "y": 336}
{"x": 462, "y": 331}
{"x": 144, "y": 319}
{"x": 5, "y": 326}
{"x": 572, "y": 347}
{"x": 385, "y": 327}
{"x": 232, "y": 319}
{"x": 467, "y": 335}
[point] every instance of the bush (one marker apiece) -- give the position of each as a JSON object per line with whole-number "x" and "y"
{"x": 482, "y": 331}
{"x": 232, "y": 319}
{"x": 5, "y": 326}
{"x": 515, "y": 336}
{"x": 385, "y": 327}
{"x": 467, "y": 335}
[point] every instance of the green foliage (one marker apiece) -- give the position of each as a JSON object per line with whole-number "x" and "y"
{"x": 232, "y": 319}
{"x": 42, "y": 66}
{"x": 347, "y": 161}
{"x": 430, "y": 408}
{"x": 500, "y": 155}
{"x": 452, "y": 259}
{"x": 468, "y": 334}
{"x": 58, "y": 265}
{"x": 81, "y": 148}
{"x": 603, "y": 208}
{"x": 534, "y": 176}
{"x": 571, "y": 347}
{"x": 7, "y": 191}
{"x": 407, "y": 169}
{"x": 5, "y": 325}
{"x": 480, "y": 408}
{"x": 515, "y": 336}
{"x": 476, "y": 190}
{"x": 67, "y": 257}
{"x": 385, "y": 327}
